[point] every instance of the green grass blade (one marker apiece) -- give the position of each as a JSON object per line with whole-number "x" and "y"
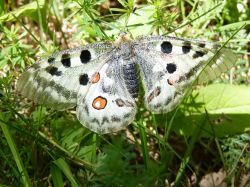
{"x": 12, "y": 145}
{"x": 234, "y": 26}
{"x": 144, "y": 147}
{"x": 56, "y": 176}
{"x": 62, "y": 164}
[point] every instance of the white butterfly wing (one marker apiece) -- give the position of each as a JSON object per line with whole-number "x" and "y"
{"x": 101, "y": 80}
{"x": 108, "y": 106}
{"x": 54, "y": 82}
{"x": 168, "y": 65}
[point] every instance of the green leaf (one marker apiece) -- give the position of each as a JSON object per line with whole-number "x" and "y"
{"x": 227, "y": 108}
{"x": 137, "y": 22}
{"x": 223, "y": 98}
{"x": 26, "y": 10}
{"x": 141, "y": 21}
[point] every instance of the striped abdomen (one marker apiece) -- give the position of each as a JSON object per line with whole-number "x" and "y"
{"x": 131, "y": 79}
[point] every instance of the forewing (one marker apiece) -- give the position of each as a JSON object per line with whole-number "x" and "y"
{"x": 168, "y": 65}
{"x": 54, "y": 81}
{"x": 108, "y": 106}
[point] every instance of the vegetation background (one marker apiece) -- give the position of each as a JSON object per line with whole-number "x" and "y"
{"x": 204, "y": 142}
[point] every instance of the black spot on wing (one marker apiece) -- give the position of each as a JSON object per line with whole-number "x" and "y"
{"x": 51, "y": 60}
{"x": 198, "y": 54}
{"x": 171, "y": 68}
{"x": 53, "y": 71}
{"x": 85, "y": 56}
{"x": 186, "y": 47}
{"x": 84, "y": 79}
{"x": 202, "y": 45}
{"x": 166, "y": 47}
{"x": 66, "y": 60}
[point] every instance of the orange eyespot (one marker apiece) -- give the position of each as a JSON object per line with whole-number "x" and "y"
{"x": 95, "y": 78}
{"x": 99, "y": 103}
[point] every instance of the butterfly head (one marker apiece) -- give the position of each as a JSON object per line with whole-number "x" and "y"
{"x": 123, "y": 38}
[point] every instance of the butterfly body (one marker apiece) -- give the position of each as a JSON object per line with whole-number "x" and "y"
{"x": 131, "y": 78}
{"x": 102, "y": 80}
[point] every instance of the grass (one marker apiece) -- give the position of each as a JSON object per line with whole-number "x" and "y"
{"x": 43, "y": 147}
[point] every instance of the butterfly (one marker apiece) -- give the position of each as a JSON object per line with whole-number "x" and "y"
{"x": 102, "y": 79}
